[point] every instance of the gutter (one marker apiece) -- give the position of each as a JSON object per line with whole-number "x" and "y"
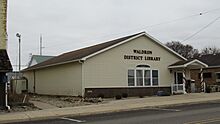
{"x": 51, "y": 65}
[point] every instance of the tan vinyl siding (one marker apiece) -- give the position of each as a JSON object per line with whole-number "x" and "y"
{"x": 58, "y": 80}
{"x": 109, "y": 69}
{"x": 30, "y": 76}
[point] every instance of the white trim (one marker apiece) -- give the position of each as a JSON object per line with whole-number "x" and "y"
{"x": 157, "y": 41}
{"x": 142, "y": 34}
{"x": 112, "y": 46}
{"x": 218, "y": 66}
{"x": 158, "y": 77}
{"x": 188, "y": 63}
{"x": 143, "y": 71}
{"x": 115, "y": 45}
{"x": 176, "y": 78}
{"x": 195, "y": 60}
{"x": 61, "y": 63}
{"x": 176, "y": 66}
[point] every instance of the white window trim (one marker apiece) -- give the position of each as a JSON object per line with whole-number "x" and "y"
{"x": 158, "y": 77}
{"x": 151, "y": 80}
{"x": 134, "y": 78}
{"x": 176, "y": 76}
{"x": 216, "y": 75}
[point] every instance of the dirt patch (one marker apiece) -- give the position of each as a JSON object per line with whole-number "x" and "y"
{"x": 65, "y": 101}
{"x": 19, "y": 107}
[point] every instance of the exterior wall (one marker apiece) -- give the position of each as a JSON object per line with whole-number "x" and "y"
{"x": 110, "y": 69}
{"x": 30, "y": 76}
{"x": 3, "y": 23}
{"x": 130, "y": 91}
{"x": 57, "y": 80}
{"x": 209, "y": 81}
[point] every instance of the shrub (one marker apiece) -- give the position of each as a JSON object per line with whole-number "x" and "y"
{"x": 141, "y": 96}
{"x": 208, "y": 89}
{"x": 124, "y": 95}
{"x": 118, "y": 97}
{"x": 101, "y": 95}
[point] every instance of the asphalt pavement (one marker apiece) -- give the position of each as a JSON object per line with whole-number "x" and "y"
{"x": 200, "y": 113}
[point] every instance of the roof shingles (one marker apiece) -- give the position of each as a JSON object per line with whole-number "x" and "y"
{"x": 210, "y": 59}
{"x": 79, "y": 54}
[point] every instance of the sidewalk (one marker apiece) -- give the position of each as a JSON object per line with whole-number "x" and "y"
{"x": 113, "y": 106}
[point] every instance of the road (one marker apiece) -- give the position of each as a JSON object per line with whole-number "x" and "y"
{"x": 203, "y": 113}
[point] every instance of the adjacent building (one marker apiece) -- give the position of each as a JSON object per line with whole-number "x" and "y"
{"x": 35, "y": 59}
{"x": 134, "y": 65}
{"x": 211, "y": 74}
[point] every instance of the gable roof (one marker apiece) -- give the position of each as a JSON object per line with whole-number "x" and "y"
{"x": 85, "y": 53}
{"x": 210, "y": 59}
{"x": 186, "y": 63}
{"x": 39, "y": 59}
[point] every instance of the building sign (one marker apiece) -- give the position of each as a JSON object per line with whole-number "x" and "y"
{"x": 145, "y": 55}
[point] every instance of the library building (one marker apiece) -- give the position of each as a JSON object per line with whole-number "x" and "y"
{"x": 133, "y": 65}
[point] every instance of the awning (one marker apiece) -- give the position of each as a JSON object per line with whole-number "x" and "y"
{"x": 192, "y": 64}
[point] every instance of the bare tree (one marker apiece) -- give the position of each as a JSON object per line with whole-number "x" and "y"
{"x": 186, "y": 51}
{"x": 210, "y": 50}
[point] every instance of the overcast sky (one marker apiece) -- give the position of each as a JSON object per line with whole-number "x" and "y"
{"x": 67, "y": 25}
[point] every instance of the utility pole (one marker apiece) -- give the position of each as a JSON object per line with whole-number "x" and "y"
{"x": 41, "y": 47}
{"x": 19, "y": 51}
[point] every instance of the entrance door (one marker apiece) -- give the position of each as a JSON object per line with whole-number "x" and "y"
{"x": 179, "y": 78}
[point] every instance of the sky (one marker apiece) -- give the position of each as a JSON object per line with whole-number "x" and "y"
{"x": 67, "y": 25}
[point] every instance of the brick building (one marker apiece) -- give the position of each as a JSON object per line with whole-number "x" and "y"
{"x": 211, "y": 74}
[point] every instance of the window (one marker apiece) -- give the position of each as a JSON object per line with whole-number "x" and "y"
{"x": 143, "y": 77}
{"x": 147, "y": 77}
{"x": 218, "y": 75}
{"x": 155, "y": 77}
{"x": 205, "y": 75}
{"x": 139, "y": 77}
{"x": 130, "y": 77}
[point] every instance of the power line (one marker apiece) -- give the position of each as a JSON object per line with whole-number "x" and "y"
{"x": 154, "y": 25}
{"x": 203, "y": 28}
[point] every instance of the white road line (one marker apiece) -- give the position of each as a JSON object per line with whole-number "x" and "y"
{"x": 74, "y": 120}
{"x": 173, "y": 110}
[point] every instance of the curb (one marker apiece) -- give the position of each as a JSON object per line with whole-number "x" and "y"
{"x": 48, "y": 114}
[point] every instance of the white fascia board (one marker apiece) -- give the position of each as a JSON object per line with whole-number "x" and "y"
{"x": 157, "y": 41}
{"x": 177, "y": 66}
{"x": 195, "y": 60}
{"x": 53, "y": 65}
{"x": 115, "y": 45}
{"x": 142, "y": 34}
{"x": 218, "y": 66}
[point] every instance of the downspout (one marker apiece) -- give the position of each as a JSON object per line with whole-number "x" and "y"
{"x": 6, "y": 97}
{"x": 34, "y": 83}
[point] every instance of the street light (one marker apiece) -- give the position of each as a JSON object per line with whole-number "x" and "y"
{"x": 19, "y": 51}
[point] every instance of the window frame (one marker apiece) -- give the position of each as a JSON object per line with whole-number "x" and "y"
{"x": 157, "y": 77}
{"x": 205, "y": 77}
{"x": 143, "y": 78}
{"x": 130, "y": 77}
{"x": 217, "y": 74}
